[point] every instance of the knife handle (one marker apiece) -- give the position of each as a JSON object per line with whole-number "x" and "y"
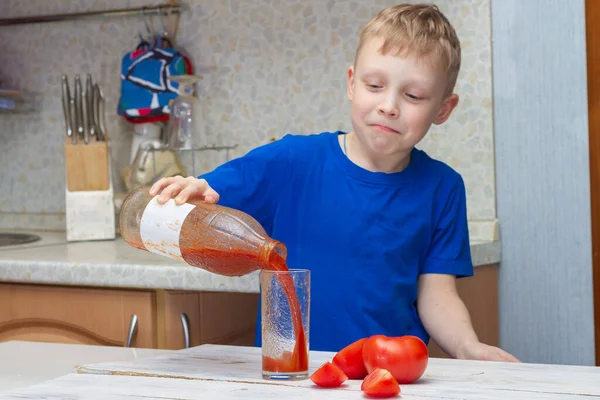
{"x": 66, "y": 98}
{"x": 78, "y": 110}
{"x": 73, "y": 115}
{"x": 89, "y": 101}
{"x": 85, "y": 119}
{"x": 101, "y": 131}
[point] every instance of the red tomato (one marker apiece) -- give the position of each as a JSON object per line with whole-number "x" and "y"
{"x": 350, "y": 360}
{"x": 380, "y": 383}
{"x": 328, "y": 375}
{"x": 405, "y": 357}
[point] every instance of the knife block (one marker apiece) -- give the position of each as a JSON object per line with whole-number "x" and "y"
{"x": 87, "y": 166}
{"x": 90, "y": 210}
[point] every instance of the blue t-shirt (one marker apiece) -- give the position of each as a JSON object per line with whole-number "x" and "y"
{"x": 365, "y": 236}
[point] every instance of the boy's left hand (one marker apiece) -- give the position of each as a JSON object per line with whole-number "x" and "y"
{"x": 484, "y": 352}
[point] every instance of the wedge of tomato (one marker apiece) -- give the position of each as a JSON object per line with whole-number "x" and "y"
{"x": 405, "y": 357}
{"x": 329, "y": 376}
{"x": 350, "y": 360}
{"x": 380, "y": 383}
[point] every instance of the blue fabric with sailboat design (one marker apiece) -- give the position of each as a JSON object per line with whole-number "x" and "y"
{"x": 146, "y": 90}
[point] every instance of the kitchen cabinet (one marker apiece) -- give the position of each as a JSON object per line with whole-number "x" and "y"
{"x": 213, "y": 317}
{"x": 103, "y": 316}
{"x": 171, "y": 319}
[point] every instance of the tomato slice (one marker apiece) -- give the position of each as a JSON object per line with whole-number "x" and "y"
{"x": 380, "y": 383}
{"x": 350, "y": 360}
{"x": 328, "y": 375}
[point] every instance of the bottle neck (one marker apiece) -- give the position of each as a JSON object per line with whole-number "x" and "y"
{"x": 273, "y": 255}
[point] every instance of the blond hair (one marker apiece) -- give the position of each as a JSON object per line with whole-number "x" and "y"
{"x": 419, "y": 29}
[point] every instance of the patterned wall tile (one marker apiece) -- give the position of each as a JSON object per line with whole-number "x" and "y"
{"x": 270, "y": 67}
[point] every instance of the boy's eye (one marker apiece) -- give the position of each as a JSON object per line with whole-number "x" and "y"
{"x": 374, "y": 86}
{"x": 412, "y": 96}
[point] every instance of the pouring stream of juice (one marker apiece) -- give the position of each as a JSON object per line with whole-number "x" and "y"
{"x": 227, "y": 263}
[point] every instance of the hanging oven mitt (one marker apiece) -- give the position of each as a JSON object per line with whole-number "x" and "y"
{"x": 146, "y": 90}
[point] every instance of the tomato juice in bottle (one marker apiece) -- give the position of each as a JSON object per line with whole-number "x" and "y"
{"x": 218, "y": 239}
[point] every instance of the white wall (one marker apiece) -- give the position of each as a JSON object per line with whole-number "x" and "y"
{"x": 542, "y": 175}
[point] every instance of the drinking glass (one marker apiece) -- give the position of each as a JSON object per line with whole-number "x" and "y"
{"x": 285, "y": 297}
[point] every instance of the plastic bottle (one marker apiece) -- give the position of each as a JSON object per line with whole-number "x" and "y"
{"x": 185, "y": 123}
{"x": 218, "y": 239}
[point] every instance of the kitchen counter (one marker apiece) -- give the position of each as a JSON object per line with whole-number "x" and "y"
{"x": 113, "y": 263}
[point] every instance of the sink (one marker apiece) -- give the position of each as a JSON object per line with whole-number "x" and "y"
{"x": 12, "y": 239}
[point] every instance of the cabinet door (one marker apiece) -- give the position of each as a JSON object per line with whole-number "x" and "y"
{"x": 173, "y": 330}
{"x": 228, "y": 318}
{"x": 208, "y": 317}
{"x": 63, "y": 314}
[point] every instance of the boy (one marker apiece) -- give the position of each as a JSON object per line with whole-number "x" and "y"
{"x": 380, "y": 224}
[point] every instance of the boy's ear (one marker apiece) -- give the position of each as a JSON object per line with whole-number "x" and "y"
{"x": 350, "y": 89}
{"x": 447, "y": 107}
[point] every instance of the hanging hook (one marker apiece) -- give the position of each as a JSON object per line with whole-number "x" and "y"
{"x": 172, "y": 21}
{"x": 143, "y": 13}
{"x": 163, "y": 24}
{"x": 149, "y": 22}
{"x": 145, "y": 17}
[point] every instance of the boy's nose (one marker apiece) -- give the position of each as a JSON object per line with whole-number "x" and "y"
{"x": 389, "y": 111}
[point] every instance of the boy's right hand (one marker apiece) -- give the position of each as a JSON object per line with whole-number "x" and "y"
{"x": 183, "y": 189}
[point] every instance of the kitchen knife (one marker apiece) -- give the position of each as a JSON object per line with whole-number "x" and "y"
{"x": 101, "y": 131}
{"x": 78, "y": 106}
{"x": 86, "y": 119}
{"x": 66, "y": 100}
{"x": 89, "y": 97}
{"x": 73, "y": 115}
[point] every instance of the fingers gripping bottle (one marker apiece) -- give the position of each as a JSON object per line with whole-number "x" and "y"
{"x": 218, "y": 239}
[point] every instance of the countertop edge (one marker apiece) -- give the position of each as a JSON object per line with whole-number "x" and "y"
{"x": 129, "y": 275}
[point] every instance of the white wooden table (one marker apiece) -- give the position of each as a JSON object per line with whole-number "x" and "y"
{"x": 23, "y": 363}
{"x": 231, "y": 372}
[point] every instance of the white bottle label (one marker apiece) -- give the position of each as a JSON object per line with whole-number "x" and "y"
{"x": 160, "y": 227}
